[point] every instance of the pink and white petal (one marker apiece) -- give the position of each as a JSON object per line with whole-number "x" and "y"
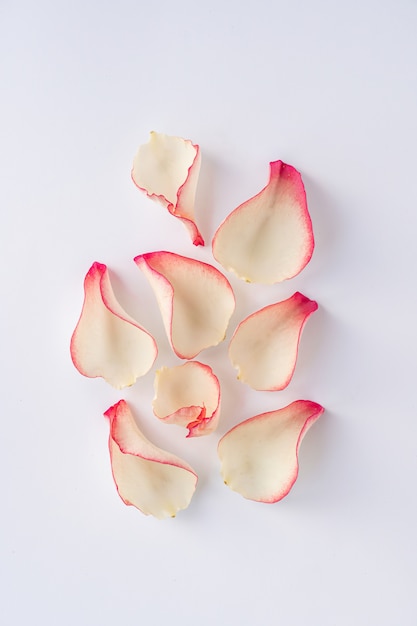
{"x": 154, "y": 481}
{"x": 107, "y": 342}
{"x": 188, "y": 395}
{"x": 259, "y": 457}
{"x": 195, "y": 299}
{"x": 167, "y": 170}
{"x": 264, "y": 346}
{"x": 268, "y": 238}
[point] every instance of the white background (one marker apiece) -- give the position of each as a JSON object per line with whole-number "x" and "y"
{"x": 329, "y": 87}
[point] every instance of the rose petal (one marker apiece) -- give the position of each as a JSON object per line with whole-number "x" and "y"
{"x": 107, "y": 342}
{"x": 188, "y": 395}
{"x": 195, "y": 299}
{"x": 156, "y": 482}
{"x": 167, "y": 170}
{"x": 259, "y": 457}
{"x": 264, "y": 346}
{"x": 268, "y": 238}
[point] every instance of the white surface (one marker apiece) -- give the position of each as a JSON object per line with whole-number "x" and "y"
{"x": 329, "y": 88}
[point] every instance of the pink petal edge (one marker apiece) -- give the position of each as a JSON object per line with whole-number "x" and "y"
{"x": 196, "y": 318}
{"x": 269, "y": 238}
{"x": 89, "y": 340}
{"x": 269, "y": 346}
{"x": 177, "y": 401}
{"x": 157, "y": 483}
{"x": 255, "y": 449}
{"x": 180, "y": 209}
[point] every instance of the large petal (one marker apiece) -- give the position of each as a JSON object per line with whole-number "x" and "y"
{"x": 269, "y": 238}
{"x": 167, "y": 170}
{"x": 264, "y": 346}
{"x": 107, "y": 342}
{"x": 156, "y": 482}
{"x": 195, "y": 299}
{"x": 259, "y": 456}
{"x": 188, "y": 395}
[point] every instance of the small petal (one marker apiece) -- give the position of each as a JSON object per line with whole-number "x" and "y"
{"x": 107, "y": 342}
{"x": 264, "y": 346}
{"x": 268, "y": 238}
{"x": 195, "y": 299}
{"x": 156, "y": 482}
{"x": 188, "y": 395}
{"x": 259, "y": 456}
{"x": 167, "y": 170}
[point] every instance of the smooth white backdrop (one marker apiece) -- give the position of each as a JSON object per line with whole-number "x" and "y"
{"x": 330, "y": 88}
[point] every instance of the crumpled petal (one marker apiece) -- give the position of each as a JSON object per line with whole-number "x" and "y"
{"x": 259, "y": 456}
{"x": 156, "y": 482}
{"x": 195, "y": 299}
{"x": 107, "y": 342}
{"x": 167, "y": 170}
{"x": 188, "y": 395}
{"x": 264, "y": 346}
{"x": 268, "y": 238}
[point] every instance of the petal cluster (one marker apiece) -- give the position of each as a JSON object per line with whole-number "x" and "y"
{"x": 267, "y": 239}
{"x": 107, "y": 342}
{"x": 156, "y": 482}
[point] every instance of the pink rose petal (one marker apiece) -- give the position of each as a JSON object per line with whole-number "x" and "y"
{"x": 268, "y": 238}
{"x": 259, "y": 456}
{"x": 167, "y": 170}
{"x": 195, "y": 299}
{"x": 156, "y": 482}
{"x": 264, "y": 346}
{"x": 107, "y": 342}
{"x": 188, "y": 395}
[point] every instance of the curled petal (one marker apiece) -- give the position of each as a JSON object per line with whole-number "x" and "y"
{"x": 264, "y": 346}
{"x": 259, "y": 457}
{"x": 154, "y": 481}
{"x": 107, "y": 342}
{"x": 167, "y": 170}
{"x": 268, "y": 238}
{"x": 195, "y": 299}
{"x": 188, "y": 395}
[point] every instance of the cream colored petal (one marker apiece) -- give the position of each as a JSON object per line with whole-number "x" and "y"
{"x": 107, "y": 342}
{"x": 259, "y": 457}
{"x": 195, "y": 299}
{"x": 156, "y": 482}
{"x": 268, "y": 238}
{"x": 264, "y": 346}
{"x": 188, "y": 395}
{"x": 167, "y": 170}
